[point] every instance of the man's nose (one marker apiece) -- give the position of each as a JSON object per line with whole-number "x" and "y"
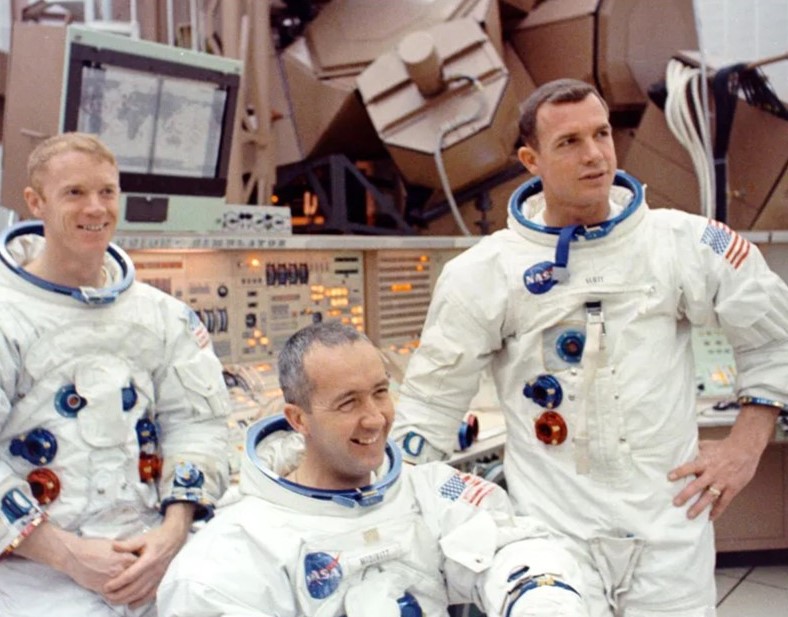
{"x": 591, "y": 151}
{"x": 96, "y": 204}
{"x": 374, "y": 414}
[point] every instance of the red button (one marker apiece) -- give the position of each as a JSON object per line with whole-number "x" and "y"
{"x": 551, "y": 428}
{"x": 45, "y": 485}
{"x": 150, "y": 467}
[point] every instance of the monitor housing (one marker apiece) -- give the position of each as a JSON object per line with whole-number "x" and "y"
{"x": 166, "y": 112}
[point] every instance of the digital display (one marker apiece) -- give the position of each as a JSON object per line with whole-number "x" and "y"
{"x": 155, "y": 124}
{"x": 169, "y": 123}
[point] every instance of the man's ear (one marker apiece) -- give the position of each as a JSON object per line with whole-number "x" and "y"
{"x": 528, "y": 156}
{"x": 295, "y": 417}
{"x": 33, "y": 201}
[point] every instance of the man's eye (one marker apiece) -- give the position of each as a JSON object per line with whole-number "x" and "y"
{"x": 346, "y": 405}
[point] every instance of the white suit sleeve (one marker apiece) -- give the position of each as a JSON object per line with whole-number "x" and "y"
{"x": 20, "y": 513}
{"x": 503, "y": 563}
{"x": 464, "y": 327}
{"x": 192, "y": 404}
{"x": 749, "y": 301}
{"x": 223, "y": 572}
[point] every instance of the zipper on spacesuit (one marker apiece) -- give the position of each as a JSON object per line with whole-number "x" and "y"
{"x": 592, "y": 357}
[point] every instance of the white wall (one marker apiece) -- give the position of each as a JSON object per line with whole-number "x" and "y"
{"x": 747, "y": 30}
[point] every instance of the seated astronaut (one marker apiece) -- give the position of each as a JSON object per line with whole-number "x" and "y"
{"x": 331, "y": 523}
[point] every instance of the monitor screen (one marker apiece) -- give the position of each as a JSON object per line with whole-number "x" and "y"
{"x": 169, "y": 124}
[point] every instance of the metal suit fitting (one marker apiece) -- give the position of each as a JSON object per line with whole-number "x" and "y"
{"x": 551, "y": 428}
{"x": 545, "y": 391}
{"x": 569, "y": 346}
{"x": 149, "y": 467}
{"x": 39, "y": 446}
{"x": 45, "y": 485}
{"x": 469, "y": 431}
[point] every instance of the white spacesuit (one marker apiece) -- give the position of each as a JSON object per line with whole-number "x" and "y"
{"x": 112, "y": 406}
{"x": 416, "y": 540}
{"x": 587, "y": 333}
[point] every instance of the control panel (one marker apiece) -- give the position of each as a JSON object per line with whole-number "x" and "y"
{"x": 399, "y": 286}
{"x": 252, "y": 301}
{"x": 715, "y": 366}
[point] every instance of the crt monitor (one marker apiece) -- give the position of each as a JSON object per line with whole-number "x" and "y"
{"x": 167, "y": 113}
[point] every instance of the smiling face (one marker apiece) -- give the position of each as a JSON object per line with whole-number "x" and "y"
{"x": 576, "y": 160}
{"x": 76, "y": 197}
{"x": 349, "y": 419}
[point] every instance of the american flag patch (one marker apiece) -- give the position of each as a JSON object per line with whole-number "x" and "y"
{"x": 466, "y": 487}
{"x": 726, "y": 242}
{"x": 197, "y": 328}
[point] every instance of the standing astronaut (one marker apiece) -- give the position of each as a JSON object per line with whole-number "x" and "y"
{"x": 582, "y": 309}
{"x": 331, "y": 524}
{"x": 113, "y": 432}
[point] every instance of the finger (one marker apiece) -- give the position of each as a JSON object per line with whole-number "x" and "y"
{"x": 131, "y": 545}
{"x": 709, "y": 498}
{"x": 127, "y": 577}
{"x": 692, "y": 468}
{"x": 696, "y": 487}
{"x": 136, "y": 593}
{"x": 721, "y": 504}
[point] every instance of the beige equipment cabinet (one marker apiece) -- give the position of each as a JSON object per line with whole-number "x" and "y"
{"x": 758, "y": 517}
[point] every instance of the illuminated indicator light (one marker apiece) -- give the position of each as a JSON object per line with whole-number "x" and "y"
{"x": 360, "y": 328}
{"x": 424, "y": 258}
{"x": 357, "y": 310}
{"x": 258, "y": 333}
{"x": 251, "y": 342}
{"x": 264, "y": 340}
{"x": 318, "y": 289}
{"x": 356, "y": 320}
{"x": 419, "y": 268}
{"x": 274, "y": 199}
{"x": 339, "y": 301}
{"x": 401, "y": 287}
{"x": 346, "y": 320}
{"x": 317, "y": 297}
{"x": 254, "y": 262}
{"x": 334, "y": 313}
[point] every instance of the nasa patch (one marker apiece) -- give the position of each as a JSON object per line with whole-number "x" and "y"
{"x": 323, "y": 574}
{"x": 538, "y": 278}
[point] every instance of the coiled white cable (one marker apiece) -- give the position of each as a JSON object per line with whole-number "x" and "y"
{"x": 447, "y": 128}
{"x": 688, "y": 120}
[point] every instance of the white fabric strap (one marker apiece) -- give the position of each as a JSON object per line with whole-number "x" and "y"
{"x": 592, "y": 358}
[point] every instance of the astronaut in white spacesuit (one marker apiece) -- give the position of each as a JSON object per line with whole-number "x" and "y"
{"x": 113, "y": 432}
{"x": 582, "y": 309}
{"x": 330, "y": 523}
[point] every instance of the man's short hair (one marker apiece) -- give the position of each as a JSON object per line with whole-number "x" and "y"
{"x": 295, "y": 384}
{"x": 558, "y": 91}
{"x": 65, "y": 142}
